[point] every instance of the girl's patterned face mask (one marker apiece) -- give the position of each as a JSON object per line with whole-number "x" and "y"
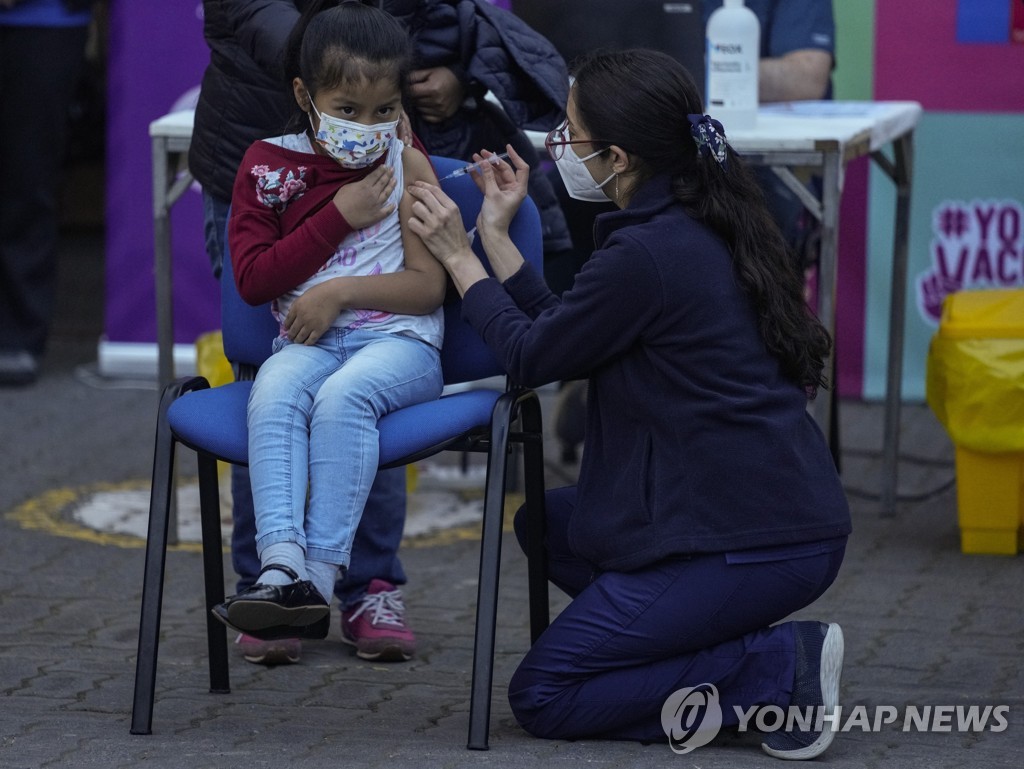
{"x": 354, "y": 145}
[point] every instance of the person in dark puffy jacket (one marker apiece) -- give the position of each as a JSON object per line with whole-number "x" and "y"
{"x": 464, "y": 48}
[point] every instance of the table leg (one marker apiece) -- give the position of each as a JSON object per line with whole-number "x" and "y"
{"x": 162, "y": 265}
{"x": 901, "y": 175}
{"x": 164, "y": 296}
{"x": 832, "y": 182}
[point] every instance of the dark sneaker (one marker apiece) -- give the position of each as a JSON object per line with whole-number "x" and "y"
{"x": 18, "y": 367}
{"x": 376, "y": 625}
{"x": 315, "y": 632}
{"x": 273, "y": 612}
{"x": 285, "y": 651}
{"x": 819, "y": 666}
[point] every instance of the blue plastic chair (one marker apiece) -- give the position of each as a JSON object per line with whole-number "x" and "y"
{"x": 212, "y": 422}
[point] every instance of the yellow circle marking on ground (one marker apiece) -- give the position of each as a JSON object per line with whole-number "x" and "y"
{"x": 49, "y": 512}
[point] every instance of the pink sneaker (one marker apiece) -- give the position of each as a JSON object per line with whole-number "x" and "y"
{"x": 282, "y": 652}
{"x": 376, "y": 625}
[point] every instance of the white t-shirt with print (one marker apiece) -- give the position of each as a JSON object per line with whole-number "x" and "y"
{"x": 374, "y": 250}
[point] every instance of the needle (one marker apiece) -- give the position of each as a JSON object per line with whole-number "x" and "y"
{"x": 493, "y": 160}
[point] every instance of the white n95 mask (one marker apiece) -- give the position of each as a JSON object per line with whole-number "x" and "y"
{"x": 577, "y": 179}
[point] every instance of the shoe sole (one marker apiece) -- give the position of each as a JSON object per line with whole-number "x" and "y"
{"x": 17, "y": 378}
{"x": 259, "y": 615}
{"x": 316, "y": 632}
{"x": 387, "y": 654}
{"x": 273, "y": 657}
{"x": 831, "y": 670}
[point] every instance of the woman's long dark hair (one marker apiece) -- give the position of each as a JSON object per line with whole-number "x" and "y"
{"x": 336, "y": 43}
{"x": 640, "y": 100}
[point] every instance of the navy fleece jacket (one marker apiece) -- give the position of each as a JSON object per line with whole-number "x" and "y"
{"x": 695, "y": 441}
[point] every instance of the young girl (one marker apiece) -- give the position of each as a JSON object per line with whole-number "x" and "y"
{"x": 318, "y": 227}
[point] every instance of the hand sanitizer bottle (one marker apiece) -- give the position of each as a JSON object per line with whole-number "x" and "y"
{"x": 733, "y": 46}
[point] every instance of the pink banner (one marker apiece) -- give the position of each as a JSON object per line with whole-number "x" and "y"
{"x": 919, "y": 58}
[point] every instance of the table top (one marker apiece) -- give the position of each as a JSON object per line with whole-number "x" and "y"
{"x": 174, "y": 125}
{"x": 815, "y": 126}
{"x": 820, "y": 125}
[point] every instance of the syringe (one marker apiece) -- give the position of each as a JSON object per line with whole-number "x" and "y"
{"x": 493, "y": 160}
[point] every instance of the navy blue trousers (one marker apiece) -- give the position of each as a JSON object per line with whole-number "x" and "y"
{"x": 627, "y": 641}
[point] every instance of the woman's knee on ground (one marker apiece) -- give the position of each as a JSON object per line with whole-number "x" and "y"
{"x": 535, "y": 698}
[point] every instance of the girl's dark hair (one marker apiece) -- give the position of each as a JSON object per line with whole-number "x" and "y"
{"x": 639, "y": 100}
{"x": 336, "y": 43}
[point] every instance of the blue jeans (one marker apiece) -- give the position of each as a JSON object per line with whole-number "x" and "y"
{"x": 379, "y": 534}
{"x": 313, "y": 414}
{"x": 608, "y": 662}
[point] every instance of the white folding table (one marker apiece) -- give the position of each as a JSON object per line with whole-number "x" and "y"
{"x": 824, "y": 136}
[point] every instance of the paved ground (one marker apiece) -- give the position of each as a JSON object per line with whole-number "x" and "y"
{"x": 925, "y": 625}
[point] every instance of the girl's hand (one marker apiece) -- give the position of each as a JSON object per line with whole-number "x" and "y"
{"x": 504, "y": 187}
{"x": 365, "y": 202}
{"x": 438, "y": 223}
{"x": 313, "y": 313}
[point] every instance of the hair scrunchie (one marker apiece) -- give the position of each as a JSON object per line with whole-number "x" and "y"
{"x": 709, "y": 135}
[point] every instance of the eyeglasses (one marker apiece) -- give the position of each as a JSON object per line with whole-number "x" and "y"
{"x": 556, "y": 140}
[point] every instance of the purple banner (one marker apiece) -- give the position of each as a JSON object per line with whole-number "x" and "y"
{"x": 157, "y": 58}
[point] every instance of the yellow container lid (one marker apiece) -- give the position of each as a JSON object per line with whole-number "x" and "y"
{"x": 996, "y": 313}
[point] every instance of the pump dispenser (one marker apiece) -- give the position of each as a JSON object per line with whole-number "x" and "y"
{"x": 733, "y": 45}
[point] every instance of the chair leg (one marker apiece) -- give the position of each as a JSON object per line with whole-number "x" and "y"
{"x": 536, "y": 555}
{"x": 153, "y": 576}
{"x": 487, "y": 588}
{"x": 213, "y": 572}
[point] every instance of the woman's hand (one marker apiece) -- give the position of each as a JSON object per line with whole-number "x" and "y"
{"x": 313, "y": 313}
{"x": 436, "y": 220}
{"x": 504, "y": 187}
{"x": 438, "y": 223}
{"x": 365, "y": 202}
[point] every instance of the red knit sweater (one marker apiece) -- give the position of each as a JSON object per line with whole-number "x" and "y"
{"x": 283, "y": 227}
